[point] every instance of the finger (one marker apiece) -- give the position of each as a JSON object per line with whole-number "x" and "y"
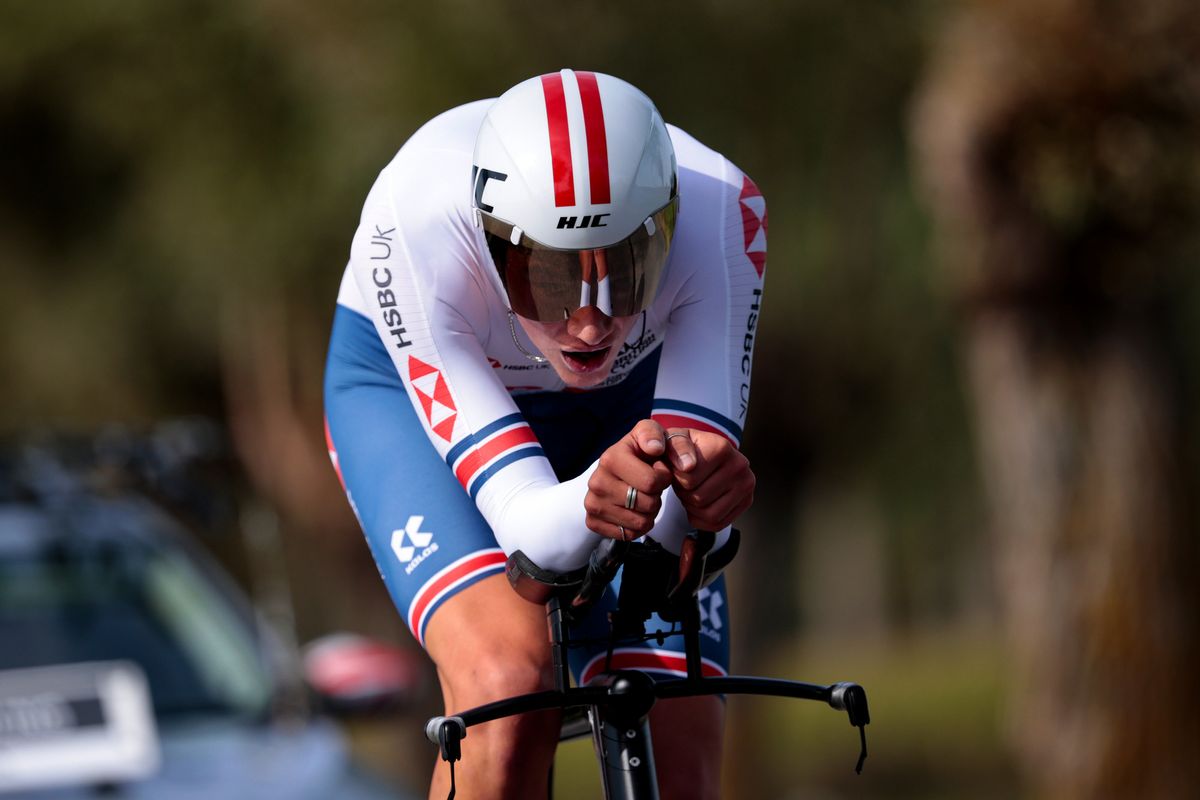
{"x": 662, "y": 476}
{"x": 638, "y": 502}
{"x": 722, "y": 512}
{"x": 619, "y": 469}
{"x": 681, "y": 450}
{"x": 714, "y": 454}
{"x": 649, "y": 438}
{"x": 611, "y": 520}
{"x": 730, "y": 478}
{"x": 603, "y": 493}
{"x": 721, "y": 499}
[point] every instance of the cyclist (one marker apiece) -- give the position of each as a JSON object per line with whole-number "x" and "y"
{"x": 543, "y": 337}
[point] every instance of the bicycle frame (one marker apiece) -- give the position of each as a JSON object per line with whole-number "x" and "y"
{"x": 618, "y": 704}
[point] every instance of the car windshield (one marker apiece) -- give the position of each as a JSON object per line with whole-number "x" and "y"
{"x": 65, "y": 603}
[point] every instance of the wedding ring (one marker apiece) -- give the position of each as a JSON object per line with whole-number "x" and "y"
{"x": 677, "y": 433}
{"x": 631, "y": 498}
{"x": 624, "y": 536}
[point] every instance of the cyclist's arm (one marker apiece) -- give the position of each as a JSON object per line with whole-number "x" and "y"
{"x": 715, "y": 290}
{"x": 419, "y": 283}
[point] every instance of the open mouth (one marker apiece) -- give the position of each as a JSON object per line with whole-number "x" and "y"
{"x": 585, "y": 361}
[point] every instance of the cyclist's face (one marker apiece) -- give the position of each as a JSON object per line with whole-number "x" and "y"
{"x": 583, "y": 347}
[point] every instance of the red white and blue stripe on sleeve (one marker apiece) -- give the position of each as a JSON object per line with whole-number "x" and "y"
{"x": 681, "y": 414}
{"x": 454, "y": 578}
{"x": 480, "y": 455}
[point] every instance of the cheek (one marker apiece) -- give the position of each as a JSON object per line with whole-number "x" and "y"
{"x": 542, "y": 333}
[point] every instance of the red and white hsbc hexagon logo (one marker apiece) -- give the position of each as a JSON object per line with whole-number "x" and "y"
{"x": 434, "y": 394}
{"x": 754, "y": 224}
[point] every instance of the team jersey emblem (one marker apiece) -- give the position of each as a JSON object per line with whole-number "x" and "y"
{"x": 416, "y": 538}
{"x": 434, "y": 394}
{"x": 754, "y": 224}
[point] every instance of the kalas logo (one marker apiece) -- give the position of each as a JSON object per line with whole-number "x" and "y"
{"x": 407, "y": 553}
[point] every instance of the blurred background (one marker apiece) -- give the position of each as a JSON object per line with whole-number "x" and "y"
{"x": 976, "y": 373}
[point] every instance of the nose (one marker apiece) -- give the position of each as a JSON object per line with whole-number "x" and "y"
{"x": 589, "y": 324}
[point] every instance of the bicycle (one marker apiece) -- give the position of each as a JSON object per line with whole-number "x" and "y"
{"x": 614, "y": 705}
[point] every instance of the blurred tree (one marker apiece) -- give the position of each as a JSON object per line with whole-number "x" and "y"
{"x": 1060, "y": 140}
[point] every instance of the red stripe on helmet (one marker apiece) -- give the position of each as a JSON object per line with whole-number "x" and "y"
{"x": 597, "y": 142}
{"x": 560, "y": 140}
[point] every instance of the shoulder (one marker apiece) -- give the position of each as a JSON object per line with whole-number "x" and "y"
{"x": 433, "y": 167}
{"x": 700, "y": 166}
{"x": 714, "y": 193}
{"x": 721, "y": 227}
{"x": 416, "y": 220}
{"x": 451, "y": 131}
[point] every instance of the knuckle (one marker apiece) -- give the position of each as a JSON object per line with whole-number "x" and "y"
{"x": 647, "y": 484}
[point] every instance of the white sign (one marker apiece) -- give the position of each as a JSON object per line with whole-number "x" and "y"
{"x": 75, "y": 724}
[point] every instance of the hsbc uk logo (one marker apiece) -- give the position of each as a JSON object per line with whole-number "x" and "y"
{"x": 406, "y": 541}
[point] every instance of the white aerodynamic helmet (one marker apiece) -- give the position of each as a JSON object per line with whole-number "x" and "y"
{"x": 574, "y": 184}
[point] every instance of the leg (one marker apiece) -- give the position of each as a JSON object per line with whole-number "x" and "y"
{"x": 442, "y": 566}
{"x": 489, "y": 644}
{"x": 687, "y": 737}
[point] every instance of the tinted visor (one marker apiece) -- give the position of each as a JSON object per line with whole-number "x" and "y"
{"x": 548, "y": 285}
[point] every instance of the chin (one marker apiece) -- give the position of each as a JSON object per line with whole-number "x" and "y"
{"x": 582, "y": 380}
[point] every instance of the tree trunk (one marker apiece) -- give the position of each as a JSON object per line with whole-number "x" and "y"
{"x": 1064, "y": 186}
{"x": 1078, "y": 459}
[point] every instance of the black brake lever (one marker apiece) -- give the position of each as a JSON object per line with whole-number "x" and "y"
{"x": 693, "y": 553}
{"x": 852, "y": 698}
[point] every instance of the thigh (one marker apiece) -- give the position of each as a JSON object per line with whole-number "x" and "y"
{"x": 488, "y": 643}
{"x": 428, "y": 539}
